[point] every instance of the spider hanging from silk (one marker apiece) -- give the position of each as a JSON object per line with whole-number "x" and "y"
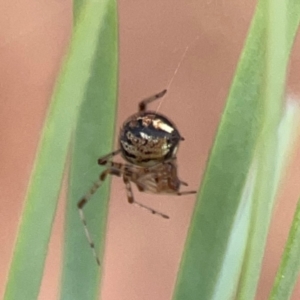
{"x": 148, "y": 142}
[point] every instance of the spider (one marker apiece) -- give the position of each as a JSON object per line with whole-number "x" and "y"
{"x": 148, "y": 142}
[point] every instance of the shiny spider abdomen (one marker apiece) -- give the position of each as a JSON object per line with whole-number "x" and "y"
{"x": 148, "y": 138}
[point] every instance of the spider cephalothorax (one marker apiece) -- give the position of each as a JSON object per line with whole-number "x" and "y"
{"x": 148, "y": 141}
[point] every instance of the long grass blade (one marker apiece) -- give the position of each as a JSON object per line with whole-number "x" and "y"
{"x": 214, "y": 220}
{"x": 289, "y": 269}
{"x": 34, "y": 232}
{"x": 276, "y": 58}
{"x": 93, "y": 138}
{"x": 224, "y": 179}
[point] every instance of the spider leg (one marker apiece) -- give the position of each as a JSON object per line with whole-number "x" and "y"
{"x": 132, "y": 201}
{"x": 104, "y": 159}
{"x": 186, "y": 193}
{"x": 84, "y": 200}
{"x": 152, "y": 168}
{"x": 143, "y": 104}
{"x": 183, "y": 183}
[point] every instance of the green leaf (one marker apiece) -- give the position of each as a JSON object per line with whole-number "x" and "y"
{"x": 93, "y": 138}
{"x": 35, "y": 228}
{"x": 234, "y": 254}
{"x": 205, "y": 272}
{"x": 224, "y": 180}
{"x": 290, "y": 265}
{"x": 289, "y": 269}
{"x": 278, "y": 47}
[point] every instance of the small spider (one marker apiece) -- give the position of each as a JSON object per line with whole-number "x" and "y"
{"x": 149, "y": 142}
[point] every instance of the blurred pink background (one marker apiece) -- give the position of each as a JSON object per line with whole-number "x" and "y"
{"x": 142, "y": 251}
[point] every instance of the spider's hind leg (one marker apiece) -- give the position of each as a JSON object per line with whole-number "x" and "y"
{"x": 186, "y": 193}
{"x": 132, "y": 201}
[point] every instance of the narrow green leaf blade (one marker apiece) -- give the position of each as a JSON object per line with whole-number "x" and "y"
{"x": 93, "y": 138}
{"x": 33, "y": 237}
{"x": 224, "y": 179}
{"x": 290, "y": 264}
{"x": 77, "y": 5}
{"x": 289, "y": 269}
{"x": 278, "y": 49}
{"x": 234, "y": 253}
{"x": 218, "y": 201}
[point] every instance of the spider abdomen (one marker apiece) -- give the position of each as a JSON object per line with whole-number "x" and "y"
{"x": 148, "y": 138}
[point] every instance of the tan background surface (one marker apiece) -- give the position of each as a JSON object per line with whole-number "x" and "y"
{"x": 142, "y": 251}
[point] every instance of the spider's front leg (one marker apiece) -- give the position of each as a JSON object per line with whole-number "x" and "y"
{"x": 104, "y": 159}
{"x": 114, "y": 169}
{"x": 143, "y": 104}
